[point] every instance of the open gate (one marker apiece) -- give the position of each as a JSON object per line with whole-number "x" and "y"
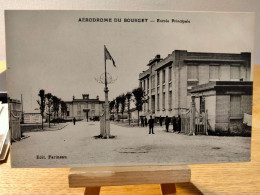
{"x": 185, "y": 122}
{"x": 194, "y": 122}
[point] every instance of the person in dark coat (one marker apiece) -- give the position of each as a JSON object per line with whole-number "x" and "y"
{"x": 74, "y": 120}
{"x": 151, "y": 125}
{"x": 174, "y": 124}
{"x": 179, "y": 124}
{"x": 145, "y": 121}
{"x": 142, "y": 122}
{"x": 167, "y": 122}
{"x": 160, "y": 120}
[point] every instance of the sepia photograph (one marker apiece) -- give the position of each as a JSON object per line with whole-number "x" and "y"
{"x": 125, "y": 88}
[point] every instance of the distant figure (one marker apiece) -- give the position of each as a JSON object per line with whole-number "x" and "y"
{"x": 179, "y": 124}
{"x": 145, "y": 121}
{"x": 142, "y": 122}
{"x": 167, "y": 122}
{"x": 174, "y": 124}
{"x": 74, "y": 120}
{"x": 160, "y": 120}
{"x": 151, "y": 125}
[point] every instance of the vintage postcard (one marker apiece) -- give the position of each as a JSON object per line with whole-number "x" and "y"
{"x": 117, "y": 88}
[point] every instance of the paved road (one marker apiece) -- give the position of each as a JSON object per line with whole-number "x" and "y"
{"x": 132, "y": 146}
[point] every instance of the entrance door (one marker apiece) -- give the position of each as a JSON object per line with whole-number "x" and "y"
{"x": 87, "y": 115}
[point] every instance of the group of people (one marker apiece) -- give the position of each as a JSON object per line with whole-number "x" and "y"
{"x": 175, "y": 121}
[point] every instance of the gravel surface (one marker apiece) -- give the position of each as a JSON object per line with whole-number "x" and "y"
{"x": 76, "y": 146}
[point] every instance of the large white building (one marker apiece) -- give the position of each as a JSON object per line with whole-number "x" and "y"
{"x": 168, "y": 81}
{"x": 85, "y": 108}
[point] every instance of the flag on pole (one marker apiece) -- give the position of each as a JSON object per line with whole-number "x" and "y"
{"x": 108, "y": 56}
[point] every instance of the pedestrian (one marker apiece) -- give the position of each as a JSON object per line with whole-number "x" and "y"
{"x": 142, "y": 122}
{"x": 145, "y": 121}
{"x": 174, "y": 124}
{"x": 151, "y": 125}
{"x": 167, "y": 122}
{"x": 179, "y": 123}
{"x": 74, "y": 120}
{"x": 160, "y": 120}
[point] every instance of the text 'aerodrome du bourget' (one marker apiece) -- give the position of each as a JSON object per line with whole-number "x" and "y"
{"x": 132, "y": 20}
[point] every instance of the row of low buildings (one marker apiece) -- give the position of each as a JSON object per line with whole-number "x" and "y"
{"x": 220, "y": 82}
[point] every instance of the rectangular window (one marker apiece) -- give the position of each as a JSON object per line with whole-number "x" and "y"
{"x": 68, "y": 113}
{"x": 170, "y": 74}
{"x": 93, "y": 106}
{"x": 158, "y": 101}
{"x": 158, "y": 78}
{"x": 144, "y": 85}
{"x": 147, "y": 83}
{"x": 235, "y": 106}
{"x": 170, "y": 100}
{"x": 213, "y": 73}
{"x": 163, "y": 76}
{"x": 193, "y": 72}
{"x": 234, "y": 73}
{"x": 163, "y": 101}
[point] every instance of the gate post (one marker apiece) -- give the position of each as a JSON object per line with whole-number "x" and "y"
{"x": 192, "y": 116}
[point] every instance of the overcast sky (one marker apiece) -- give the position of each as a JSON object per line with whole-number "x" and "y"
{"x": 51, "y": 50}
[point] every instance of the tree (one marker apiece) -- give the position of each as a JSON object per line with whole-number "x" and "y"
{"x": 41, "y": 103}
{"x": 111, "y": 105}
{"x": 118, "y": 100}
{"x": 56, "y": 106}
{"x": 139, "y": 99}
{"x": 122, "y": 102}
{"x": 128, "y": 96}
{"x": 64, "y": 108}
{"x": 49, "y": 97}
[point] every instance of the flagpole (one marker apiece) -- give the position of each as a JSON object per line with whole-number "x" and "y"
{"x": 107, "y": 125}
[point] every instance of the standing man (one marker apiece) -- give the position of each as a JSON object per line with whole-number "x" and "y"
{"x": 167, "y": 122}
{"x": 142, "y": 122}
{"x": 151, "y": 125}
{"x": 179, "y": 123}
{"x": 160, "y": 120}
{"x": 74, "y": 120}
{"x": 174, "y": 124}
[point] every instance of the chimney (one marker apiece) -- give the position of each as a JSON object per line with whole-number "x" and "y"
{"x": 97, "y": 97}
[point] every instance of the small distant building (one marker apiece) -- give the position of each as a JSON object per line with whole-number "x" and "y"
{"x": 32, "y": 118}
{"x": 85, "y": 108}
{"x": 227, "y": 102}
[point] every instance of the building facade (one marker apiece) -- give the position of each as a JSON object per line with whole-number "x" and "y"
{"x": 85, "y": 108}
{"x": 168, "y": 82}
{"x": 227, "y": 103}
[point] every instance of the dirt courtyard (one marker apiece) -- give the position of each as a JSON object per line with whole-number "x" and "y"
{"x": 76, "y": 146}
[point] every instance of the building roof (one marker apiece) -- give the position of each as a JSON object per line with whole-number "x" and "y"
{"x": 145, "y": 74}
{"x": 157, "y": 58}
{"x": 246, "y": 86}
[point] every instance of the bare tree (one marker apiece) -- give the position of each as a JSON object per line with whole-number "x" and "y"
{"x": 139, "y": 99}
{"x": 49, "y": 97}
{"x": 122, "y": 102}
{"x": 128, "y": 96}
{"x": 41, "y": 103}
